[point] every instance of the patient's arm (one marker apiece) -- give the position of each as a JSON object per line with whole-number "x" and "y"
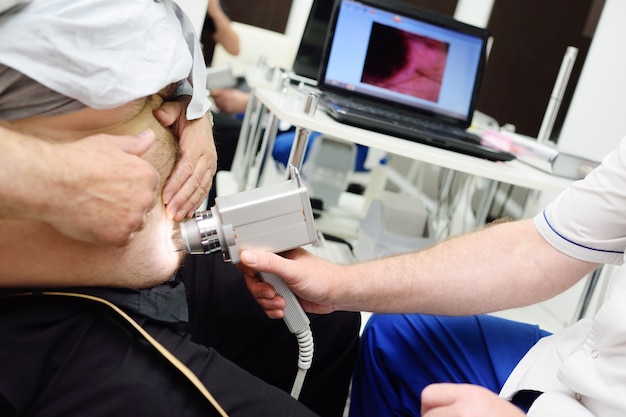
{"x": 32, "y": 253}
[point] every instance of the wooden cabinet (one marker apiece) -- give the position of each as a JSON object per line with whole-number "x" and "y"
{"x": 446, "y": 7}
{"x": 268, "y": 14}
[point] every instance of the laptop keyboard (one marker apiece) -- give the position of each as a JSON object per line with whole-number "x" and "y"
{"x": 392, "y": 123}
{"x": 417, "y": 124}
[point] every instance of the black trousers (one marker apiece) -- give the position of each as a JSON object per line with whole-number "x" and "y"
{"x": 226, "y": 136}
{"x": 224, "y": 315}
{"x": 226, "y": 130}
{"x": 67, "y": 357}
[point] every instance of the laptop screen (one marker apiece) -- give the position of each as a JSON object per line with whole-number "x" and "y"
{"x": 405, "y": 56}
{"x": 309, "y": 57}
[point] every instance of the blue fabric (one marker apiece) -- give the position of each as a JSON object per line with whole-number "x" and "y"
{"x": 402, "y": 354}
{"x": 282, "y": 149}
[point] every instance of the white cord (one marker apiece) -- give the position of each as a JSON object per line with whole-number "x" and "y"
{"x": 298, "y": 323}
{"x": 297, "y": 385}
{"x": 305, "y": 357}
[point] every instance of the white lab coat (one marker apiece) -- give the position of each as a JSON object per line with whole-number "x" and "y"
{"x": 582, "y": 369}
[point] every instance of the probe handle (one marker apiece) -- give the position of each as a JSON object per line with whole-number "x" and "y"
{"x": 295, "y": 317}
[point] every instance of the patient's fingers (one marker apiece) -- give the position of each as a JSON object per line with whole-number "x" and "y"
{"x": 169, "y": 113}
{"x": 192, "y": 176}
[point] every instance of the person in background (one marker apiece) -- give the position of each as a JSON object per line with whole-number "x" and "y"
{"x": 229, "y": 102}
{"x": 217, "y": 25}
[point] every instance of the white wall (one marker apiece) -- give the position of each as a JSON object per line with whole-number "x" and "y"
{"x": 195, "y": 10}
{"x": 474, "y": 12}
{"x": 596, "y": 119}
{"x": 297, "y": 19}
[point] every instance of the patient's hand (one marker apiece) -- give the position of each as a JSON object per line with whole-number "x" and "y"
{"x": 191, "y": 179}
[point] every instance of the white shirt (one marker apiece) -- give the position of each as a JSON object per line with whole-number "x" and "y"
{"x": 104, "y": 53}
{"x": 582, "y": 369}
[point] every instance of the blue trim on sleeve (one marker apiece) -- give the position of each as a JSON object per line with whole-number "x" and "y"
{"x": 575, "y": 243}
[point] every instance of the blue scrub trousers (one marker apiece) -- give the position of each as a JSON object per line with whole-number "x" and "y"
{"x": 400, "y": 354}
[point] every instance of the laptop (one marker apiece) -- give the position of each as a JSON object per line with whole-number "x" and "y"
{"x": 307, "y": 62}
{"x": 397, "y": 69}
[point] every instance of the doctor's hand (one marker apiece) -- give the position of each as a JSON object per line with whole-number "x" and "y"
{"x": 310, "y": 278}
{"x": 97, "y": 189}
{"x": 465, "y": 400}
{"x": 192, "y": 177}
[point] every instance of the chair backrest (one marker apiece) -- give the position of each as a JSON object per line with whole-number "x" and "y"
{"x": 276, "y": 48}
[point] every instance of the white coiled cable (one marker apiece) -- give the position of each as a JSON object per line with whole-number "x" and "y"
{"x": 305, "y": 357}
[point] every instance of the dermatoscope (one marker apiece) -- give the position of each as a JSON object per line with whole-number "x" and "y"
{"x": 273, "y": 218}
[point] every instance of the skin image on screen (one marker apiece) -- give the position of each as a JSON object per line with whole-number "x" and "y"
{"x": 404, "y": 62}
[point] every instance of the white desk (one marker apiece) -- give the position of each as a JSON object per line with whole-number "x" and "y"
{"x": 269, "y": 104}
{"x": 288, "y": 107}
